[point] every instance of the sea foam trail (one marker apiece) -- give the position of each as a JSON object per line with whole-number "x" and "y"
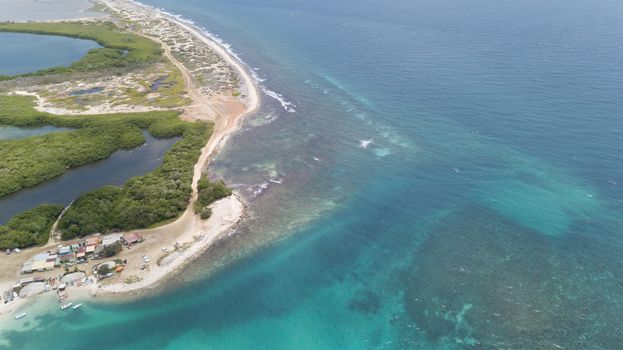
{"x": 287, "y": 105}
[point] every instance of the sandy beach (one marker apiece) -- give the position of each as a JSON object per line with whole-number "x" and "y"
{"x": 171, "y": 246}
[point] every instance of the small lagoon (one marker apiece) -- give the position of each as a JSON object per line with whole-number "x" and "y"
{"x": 115, "y": 170}
{"x": 12, "y": 132}
{"x": 23, "y": 53}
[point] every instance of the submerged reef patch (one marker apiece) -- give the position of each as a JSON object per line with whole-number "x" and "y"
{"x": 480, "y": 279}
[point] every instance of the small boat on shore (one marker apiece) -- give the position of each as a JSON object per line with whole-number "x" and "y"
{"x": 64, "y": 306}
{"x": 76, "y": 306}
{"x": 20, "y": 315}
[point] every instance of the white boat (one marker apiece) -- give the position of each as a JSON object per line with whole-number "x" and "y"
{"x": 76, "y": 306}
{"x": 20, "y": 315}
{"x": 64, "y": 306}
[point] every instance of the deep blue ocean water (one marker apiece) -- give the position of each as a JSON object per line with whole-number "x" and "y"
{"x": 30, "y": 52}
{"x": 485, "y": 212}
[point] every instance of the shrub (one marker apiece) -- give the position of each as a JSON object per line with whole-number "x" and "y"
{"x": 210, "y": 192}
{"x": 29, "y": 228}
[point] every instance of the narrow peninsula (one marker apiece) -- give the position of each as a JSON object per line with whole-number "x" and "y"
{"x": 151, "y": 73}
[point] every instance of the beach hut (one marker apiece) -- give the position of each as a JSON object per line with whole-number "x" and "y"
{"x": 27, "y": 267}
{"x": 92, "y": 241}
{"x": 81, "y": 252}
{"x": 42, "y": 265}
{"x": 112, "y": 239}
{"x": 131, "y": 238}
{"x": 41, "y": 257}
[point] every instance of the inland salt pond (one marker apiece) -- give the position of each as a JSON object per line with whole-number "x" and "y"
{"x": 12, "y": 132}
{"x": 24, "y": 53}
{"x": 115, "y": 170}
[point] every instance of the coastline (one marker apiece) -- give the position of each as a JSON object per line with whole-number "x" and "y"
{"x": 188, "y": 230}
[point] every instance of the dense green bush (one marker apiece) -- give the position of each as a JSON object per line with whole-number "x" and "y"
{"x": 209, "y": 192}
{"x": 144, "y": 200}
{"x": 33, "y": 160}
{"x": 120, "y": 48}
{"x": 30, "y": 161}
{"x": 205, "y": 213}
{"x": 91, "y": 212}
{"x": 29, "y": 228}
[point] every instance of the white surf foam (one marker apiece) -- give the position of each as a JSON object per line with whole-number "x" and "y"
{"x": 365, "y": 143}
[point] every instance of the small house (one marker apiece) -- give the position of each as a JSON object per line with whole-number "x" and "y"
{"x": 132, "y": 238}
{"x": 64, "y": 250}
{"x": 81, "y": 252}
{"x": 112, "y": 239}
{"x": 27, "y": 267}
{"x": 42, "y": 265}
{"x": 41, "y": 257}
{"x": 92, "y": 241}
{"x": 90, "y": 249}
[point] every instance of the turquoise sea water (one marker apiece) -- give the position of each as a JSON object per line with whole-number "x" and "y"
{"x": 485, "y": 213}
{"x": 23, "y": 53}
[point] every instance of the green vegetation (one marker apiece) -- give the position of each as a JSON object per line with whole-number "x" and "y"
{"x": 120, "y": 49}
{"x": 209, "y": 192}
{"x": 103, "y": 270}
{"x": 29, "y": 228}
{"x": 30, "y": 161}
{"x": 145, "y": 200}
{"x": 112, "y": 250}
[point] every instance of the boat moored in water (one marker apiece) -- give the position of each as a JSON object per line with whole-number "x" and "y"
{"x": 64, "y": 306}
{"x": 20, "y": 315}
{"x": 76, "y": 306}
